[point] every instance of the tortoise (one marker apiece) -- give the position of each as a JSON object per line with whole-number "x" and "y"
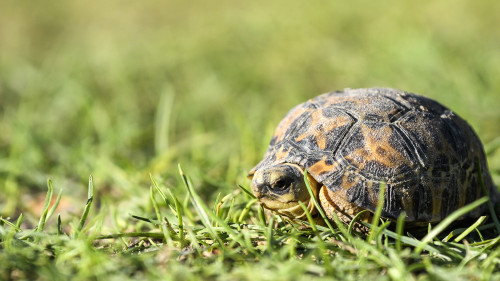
{"x": 352, "y": 141}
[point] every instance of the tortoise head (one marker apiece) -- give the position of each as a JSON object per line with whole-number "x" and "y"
{"x": 280, "y": 188}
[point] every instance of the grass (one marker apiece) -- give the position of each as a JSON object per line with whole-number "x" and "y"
{"x": 126, "y": 92}
{"x": 228, "y": 242}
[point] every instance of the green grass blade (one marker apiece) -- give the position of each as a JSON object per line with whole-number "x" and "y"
{"x": 59, "y": 225}
{"x": 156, "y": 235}
{"x": 215, "y": 209}
{"x": 353, "y": 222}
{"x": 86, "y": 210}
{"x": 378, "y": 234}
{"x": 199, "y": 206}
{"x": 447, "y": 221}
{"x": 19, "y": 220}
{"x": 470, "y": 228}
{"x": 179, "y": 215}
{"x": 15, "y": 227}
{"x": 378, "y": 212}
{"x": 405, "y": 239}
{"x": 217, "y": 203}
{"x": 187, "y": 211}
{"x": 162, "y": 121}
{"x": 309, "y": 216}
{"x": 318, "y": 206}
{"x": 206, "y": 215}
{"x": 269, "y": 236}
{"x": 152, "y": 221}
{"x": 262, "y": 215}
{"x": 48, "y": 199}
{"x": 54, "y": 207}
{"x": 157, "y": 187}
{"x": 163, "y": 228}
{"x": 479, "y": 233}
{"x": 245, "y": 210}
{"x": 485, "y": 191}
{"x": 247, "y": 192}
{"x": 229, "y": 212}
{"x": 492, "y": 146}
{"x": 399, "y": 230}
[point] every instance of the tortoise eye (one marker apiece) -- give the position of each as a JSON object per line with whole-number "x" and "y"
{"x": 281, "y": 184}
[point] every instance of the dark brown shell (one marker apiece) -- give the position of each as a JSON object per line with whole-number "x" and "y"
{"x": 353, "y": 140}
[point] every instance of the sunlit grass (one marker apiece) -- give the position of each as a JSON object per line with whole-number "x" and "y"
{"x": 206, "y": 240}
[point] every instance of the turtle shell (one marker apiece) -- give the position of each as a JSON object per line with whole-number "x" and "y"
{"x": 354, "y": 140}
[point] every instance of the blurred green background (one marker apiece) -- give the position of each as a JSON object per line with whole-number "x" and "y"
{"x": 121, "y": 89}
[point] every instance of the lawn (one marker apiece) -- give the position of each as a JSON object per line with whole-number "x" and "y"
{"x": 139, "y": 121}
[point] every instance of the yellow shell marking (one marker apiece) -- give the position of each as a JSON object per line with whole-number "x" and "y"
{"x": 281, "y": 154}
{"x": 377, "y": 148}
{"x": 321, "y": 166}
{"x": 321, "y": 132}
